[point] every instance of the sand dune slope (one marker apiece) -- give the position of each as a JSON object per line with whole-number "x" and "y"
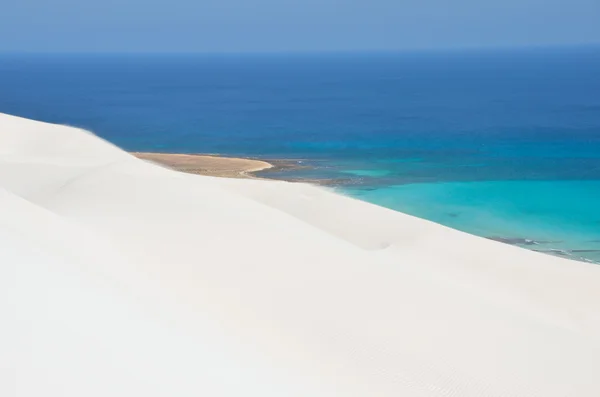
{"x": 122, "y": 278}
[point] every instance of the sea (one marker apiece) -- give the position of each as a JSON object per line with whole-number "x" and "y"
{"x": 504, "y": 144}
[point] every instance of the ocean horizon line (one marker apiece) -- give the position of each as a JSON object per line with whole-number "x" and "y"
{"x": 309, "y": 52}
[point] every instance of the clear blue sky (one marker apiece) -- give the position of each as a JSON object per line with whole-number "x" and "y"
{"x": 292, "y": 25}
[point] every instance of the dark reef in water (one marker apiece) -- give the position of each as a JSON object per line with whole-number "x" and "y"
{"x": 571, "y": 254}
{"x": 567, "y": 253}
{"x": 520, "y": 241}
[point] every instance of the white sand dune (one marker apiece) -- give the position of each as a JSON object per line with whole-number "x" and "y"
{"x": 122, "y": 278}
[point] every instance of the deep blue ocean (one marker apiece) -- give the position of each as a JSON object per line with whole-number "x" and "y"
{"x": 502, "y": 144}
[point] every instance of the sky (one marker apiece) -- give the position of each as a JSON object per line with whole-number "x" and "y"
{"x": 292, "y": 25}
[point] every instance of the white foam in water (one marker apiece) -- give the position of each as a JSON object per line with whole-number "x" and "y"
{"x": 121, "y": 278}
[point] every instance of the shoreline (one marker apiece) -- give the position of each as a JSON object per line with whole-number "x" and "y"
{"x": 216, "y": 165}
{"x": 209, "y": 164}
{"x": 224, "y": 166}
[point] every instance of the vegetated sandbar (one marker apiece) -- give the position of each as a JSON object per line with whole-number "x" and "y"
{"x": 236, "y": 167}
{"x": 210, "y": 165}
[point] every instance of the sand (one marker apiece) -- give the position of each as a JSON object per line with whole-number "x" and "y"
{"x": 119, "y": 277}
{"x": 227, "y": 167}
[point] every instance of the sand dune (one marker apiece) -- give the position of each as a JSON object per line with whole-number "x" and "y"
{"x": 122, "y": 278}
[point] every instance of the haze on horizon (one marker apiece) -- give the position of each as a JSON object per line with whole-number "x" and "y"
{"x": 286, "y": 25}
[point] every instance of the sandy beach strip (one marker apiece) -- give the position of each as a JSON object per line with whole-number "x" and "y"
{"x": 210, "y": 165}
{"x": 234, "y": 167}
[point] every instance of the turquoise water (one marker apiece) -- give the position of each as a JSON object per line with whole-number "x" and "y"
{"x": 552, "y": 215}
{"x": 502, "y": 144}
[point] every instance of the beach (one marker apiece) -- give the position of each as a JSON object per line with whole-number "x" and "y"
{"x": 227, "y": 167}
{"x": 122, "y": 277}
